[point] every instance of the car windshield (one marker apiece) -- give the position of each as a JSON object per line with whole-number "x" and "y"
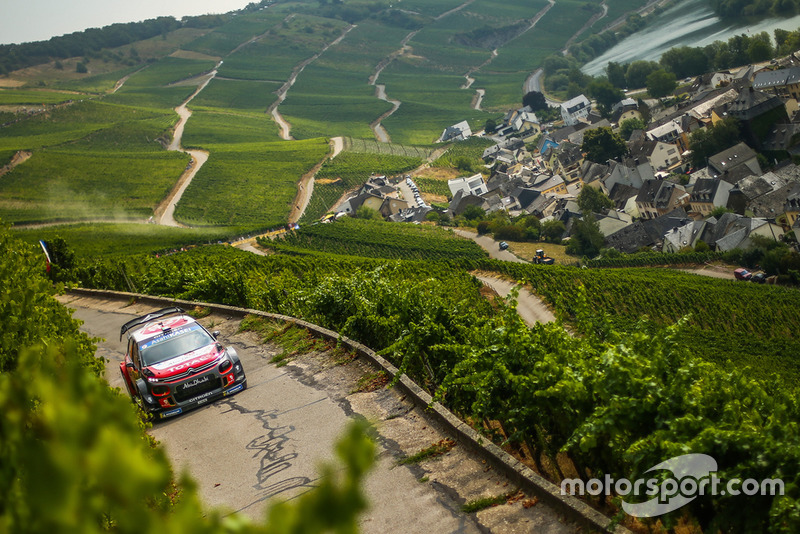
{"x": 173, "y": 344}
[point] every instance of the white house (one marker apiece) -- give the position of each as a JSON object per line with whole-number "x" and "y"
{"x": 575, "y": 109}
{"x": 456, "y": 132}
{"x": 470, "y": 185}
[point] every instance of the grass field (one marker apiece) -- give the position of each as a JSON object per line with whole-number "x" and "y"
{"x": 378, "y": 239}
{"x": 224, "y": 39}
{"x": 15, "y": 97}
{"x": 248, "y": 184}
{"x": 90, "y": 160}
{"x": 212, "y": 129}
{"x": 122, "y": 239}
{"x": 81, "y": 184}
{"x": 348, "y": 104}
{"x": 238, "y": 95}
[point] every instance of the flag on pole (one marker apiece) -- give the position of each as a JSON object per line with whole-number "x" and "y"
{"x": 46, "y": 254}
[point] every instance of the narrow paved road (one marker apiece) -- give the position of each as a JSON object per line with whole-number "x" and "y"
{"x": 265, "y": 442}
{"x": 491, "y": 246}
{"x": 530, "y": 308}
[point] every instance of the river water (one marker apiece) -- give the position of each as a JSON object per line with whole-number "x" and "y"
{"x": 689, "y": 23}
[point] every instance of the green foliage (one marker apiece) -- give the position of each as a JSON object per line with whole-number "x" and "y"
{"x": 621, "y": 404}
{"x": 367, "y": 213}
{"x": 713, "y": 139}
{"x": 627, "y": 127}
{"x": 29, "y": 313}
{"x": 17, "y": 56}
{"x": 468, "y": 153}
{"x": 102, "y": 161}
{"x": 378, "y": 239}
{"x": 553, "y": 231}
{"x": 637, "y": 72}
{"x": 593, "y": 200}
{"x": 434, "y": 450}
{"x": 248, "y": 183}
{"x": 601, "y": 145}
{"x": 116, "y": 239}
{"x": 604, "y": 93}
{"x": 433, "y": 186}
{"x": 586, "y": 238}
{"x": 660, "y": 83}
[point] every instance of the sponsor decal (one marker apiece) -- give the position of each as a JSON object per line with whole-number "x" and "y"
{"x": 193, "y": 383}
{"x": 234, "y": 389}
{"x": 171, "y": 413}
{"x": 204, "y": 397}
{"x": 189, "y": 360}
{"x": 168, "y": 335}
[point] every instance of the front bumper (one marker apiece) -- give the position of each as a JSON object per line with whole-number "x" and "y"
{"x": 195, "y": 391}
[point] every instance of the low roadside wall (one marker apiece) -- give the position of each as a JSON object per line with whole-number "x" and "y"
{"x": 523, "y": 476}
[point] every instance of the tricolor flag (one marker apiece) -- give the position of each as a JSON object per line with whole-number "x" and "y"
{"x": 46, "y": 254}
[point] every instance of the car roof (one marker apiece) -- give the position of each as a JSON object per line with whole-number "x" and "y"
{"x": 159, "y": 326}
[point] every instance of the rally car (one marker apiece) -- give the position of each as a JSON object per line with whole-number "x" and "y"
{"x": 173, "y": 364}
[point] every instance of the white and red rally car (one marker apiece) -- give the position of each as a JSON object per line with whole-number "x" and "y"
{"x": 173, "y": 364}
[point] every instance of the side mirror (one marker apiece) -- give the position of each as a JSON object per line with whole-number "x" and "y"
{"x": 215, "y": 334}
{"x": 130, "y": 365}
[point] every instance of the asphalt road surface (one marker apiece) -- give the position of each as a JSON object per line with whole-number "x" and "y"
{"x": 266, "y": 442}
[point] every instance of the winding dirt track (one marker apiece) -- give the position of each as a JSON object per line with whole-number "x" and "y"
{"x": 281, "y": 92}
{"x": 305, "y": 187}
{"x": 164, "y": 213}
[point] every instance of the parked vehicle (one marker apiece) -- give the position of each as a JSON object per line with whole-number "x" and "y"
{"x": 503, "y": 245}
{"x": 542, "y": 259}
{"x": 173, "y": 364}
{"x": 742, "y": 274}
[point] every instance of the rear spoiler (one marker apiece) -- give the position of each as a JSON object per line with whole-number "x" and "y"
{"x": 147, "y": 318}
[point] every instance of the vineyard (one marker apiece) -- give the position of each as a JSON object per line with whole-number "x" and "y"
{"x": 644, "y": 259}
{"x": 470, "y": 151}
{"x": 347, "y": 172}
{"x": 371, "y": 146}
{"x": 728, "y": 322}
{"x": 376, "y": 239}
{"x": 606, "y": 400}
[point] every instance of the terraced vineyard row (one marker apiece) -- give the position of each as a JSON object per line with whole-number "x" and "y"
{"x": 608, "y": 400}
{"x": 375, "y": 239}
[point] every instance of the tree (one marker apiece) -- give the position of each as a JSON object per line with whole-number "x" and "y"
{"x": 760, "y": 48}
{"x": 586, "y": 239}
{"x": 637, "y": 73}
{"x": 601, "y": 145}
{"x": 604, "y": 93}
{"x": 365, "y": 212}
{"x": 473, "y": 213}
{"x": 535, "y": 100}
{"x": 80, "y": 68}
{"x": 660, "y": 83}
{"x": 685, "y": 61}
{"x": 627, "y": 127}
{"x": 593, "y": 200}
{"x": 616, "y": 75}
{"x": 713, "y": 139}
{"x": 553, "y": 230}
{"x": 490, "y": 126}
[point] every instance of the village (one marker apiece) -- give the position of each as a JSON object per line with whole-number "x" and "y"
{"x": 660, "y": 200}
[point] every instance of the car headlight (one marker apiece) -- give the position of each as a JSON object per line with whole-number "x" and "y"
{"x": 225, "y": 365}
